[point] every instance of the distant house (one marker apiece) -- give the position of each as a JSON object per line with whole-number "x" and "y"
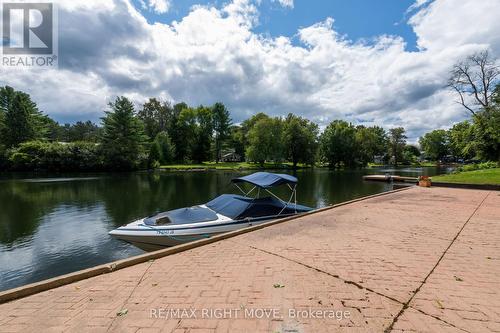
{"x": 230, "y": 156}
{"x": 378, "y": 159}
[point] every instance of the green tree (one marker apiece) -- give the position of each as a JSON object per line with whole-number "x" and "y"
{"x": 22, "y": 121}
{"x": 397, "y": 142}
{"x": 81, "y": 131}
{"x": 247, "y": 125}
{"x": 300, "y": 140}
{"x": 186, "y": 130}
{"x": 176, "y": 135}
{"x": 338, "y": 144}
{"x": 237, "y": 140}
{"x": 265, "y": 141}
{"x": 410, "y": 154}
{"x": 371, "y": 141}
{"x": 462, "y": 141}
{"x": 123, "y": 140}
{"x": 19, "y": 125}
{"x": 162, "y": 150}
{"x": 203, "y": 134}
{"x": 156, "y": 116}
{"x": 221, "y": 127}
{"x": 487, "y": 133}
{"x": 435, "y": 144}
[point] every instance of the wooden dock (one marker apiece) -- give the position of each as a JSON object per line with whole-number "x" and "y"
{"x": 391, "y": 178}
{"x": 419, "y": 260}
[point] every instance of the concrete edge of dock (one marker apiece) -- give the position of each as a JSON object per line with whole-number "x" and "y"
{"x": 44, "y": 285}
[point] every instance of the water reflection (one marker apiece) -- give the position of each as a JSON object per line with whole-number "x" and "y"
{"x": 55, "y": 225}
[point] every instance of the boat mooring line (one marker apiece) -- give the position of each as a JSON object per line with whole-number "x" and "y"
{"x": 407, "y": 303}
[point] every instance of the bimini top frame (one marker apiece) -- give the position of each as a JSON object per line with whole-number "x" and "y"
{"x": 266, "y": 180}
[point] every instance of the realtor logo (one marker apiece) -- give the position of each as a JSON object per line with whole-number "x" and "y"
{"x": 29, "y": 34}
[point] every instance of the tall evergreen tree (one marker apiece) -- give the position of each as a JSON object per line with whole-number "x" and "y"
{"x": 22, "y": 121}
{"x": 19, "y": 124}
{"x": 123, "y": 140}
{"x": 221, "y": 126}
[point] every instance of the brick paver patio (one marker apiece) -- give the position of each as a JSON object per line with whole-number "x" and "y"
{"x": 424, "y": 260}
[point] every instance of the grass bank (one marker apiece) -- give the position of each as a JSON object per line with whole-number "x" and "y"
{"x": 422, "y": 164}
{"x": 228, "y": 166}
{"x": 486, "y": 176}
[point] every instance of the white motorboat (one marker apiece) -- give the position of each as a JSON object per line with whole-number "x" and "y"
{"x": 225, "y": 213}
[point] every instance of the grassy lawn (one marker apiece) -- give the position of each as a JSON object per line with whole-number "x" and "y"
{"x": 486, "y": 176}
{"x": 228, "y": 166}
{"x": 422, "y": 164}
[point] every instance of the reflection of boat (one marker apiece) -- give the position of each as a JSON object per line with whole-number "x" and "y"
{"x": 390, "y": 178}
{"x": 227, "y": 212}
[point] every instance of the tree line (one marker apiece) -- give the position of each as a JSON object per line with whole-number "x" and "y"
{"x": 161, "y": 133}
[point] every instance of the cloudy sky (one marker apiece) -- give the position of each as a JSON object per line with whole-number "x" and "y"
{"x": 369, "y": 62}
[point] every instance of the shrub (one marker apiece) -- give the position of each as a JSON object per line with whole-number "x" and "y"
{"x": 54, "y": 156}
{"x": 478, "y": 166}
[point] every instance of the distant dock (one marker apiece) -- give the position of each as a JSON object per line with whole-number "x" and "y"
{"x": 419, "y": 259}
{"x": 391, "y": 178}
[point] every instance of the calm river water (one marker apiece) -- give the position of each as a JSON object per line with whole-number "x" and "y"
{"x": 53, "y": 225}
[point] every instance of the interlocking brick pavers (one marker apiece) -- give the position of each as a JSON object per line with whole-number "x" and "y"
{"x": 464, "y": 289}
{"x": 389, "y": 244}
{"x": 367, "y": 258}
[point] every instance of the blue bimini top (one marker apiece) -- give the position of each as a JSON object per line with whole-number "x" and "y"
{"x": 266, "y": 179}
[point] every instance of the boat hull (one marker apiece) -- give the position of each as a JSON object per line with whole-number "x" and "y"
{"x": 150, "y": 238}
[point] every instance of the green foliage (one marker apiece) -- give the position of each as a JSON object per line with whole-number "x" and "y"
{"x": 246, "y": 126}
{"x": 21, "y": 119}
{"x": 203, "y": 135}
{"x": 237, "y": 140}
{"x": 371, "y": 142}
{"x": 487, "y": 133}
{"x": 80, "y": 131}
{"x": 162, "y": 149}
{"x": 338, "y": 145}
{"x": 123, "y": 141}
{"x": 478, "y": 166}
{"x": 435, "y": 144}
{"x": 300, "y": 140}
{"x": 397, "y": 142}
{"x": 156, "y": 116}
{"x": 265, "y": 141}
{"x": 221, "y": 127}
{"x": 54, "y": 156}
{"x": 186, "y": 128}
{"x": 410, "y": 154}
{"x": 462, "y": 144}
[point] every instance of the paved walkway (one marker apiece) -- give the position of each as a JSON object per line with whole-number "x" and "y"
{"x": 425, "y": 260}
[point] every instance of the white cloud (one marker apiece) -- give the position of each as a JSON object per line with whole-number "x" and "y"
{"x": 158, "y": 6}
{"x": 285, "y": 3}
{"x": 212, "y": 54}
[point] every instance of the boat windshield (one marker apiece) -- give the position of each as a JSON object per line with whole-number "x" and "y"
{"x": 182, "y": 216}
{"x": 239, "y": 207}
